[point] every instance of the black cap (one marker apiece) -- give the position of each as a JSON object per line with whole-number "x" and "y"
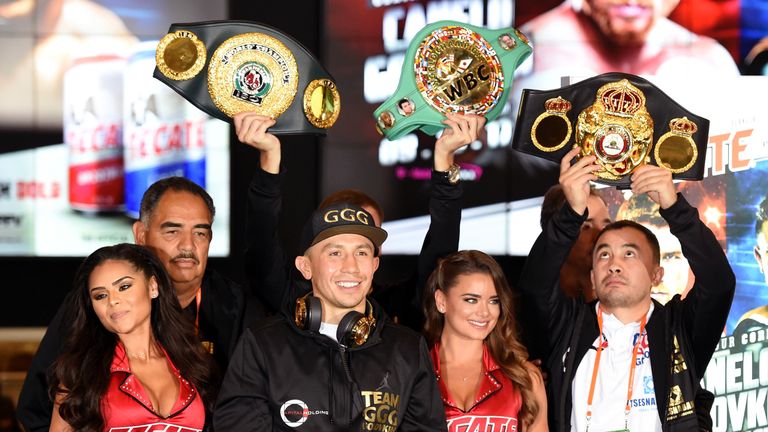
{"x": 341, "y": 218}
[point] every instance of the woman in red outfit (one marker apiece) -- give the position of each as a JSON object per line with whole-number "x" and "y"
{"x": 485, "y": 379}
{"x": 131, "y": 359}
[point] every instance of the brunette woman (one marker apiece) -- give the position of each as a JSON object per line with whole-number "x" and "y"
{"x": 132, "y": 359}
{"x": 483, "y": 371}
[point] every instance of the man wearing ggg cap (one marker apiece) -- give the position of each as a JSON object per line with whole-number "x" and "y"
{"x": 332, "y": 361}
{"x": 266, "y": 261}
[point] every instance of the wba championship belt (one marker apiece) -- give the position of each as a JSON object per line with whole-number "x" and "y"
{"x": 451, "y": 67}
{"x": 622, "y": 119}
{"x": 228, "y": 67}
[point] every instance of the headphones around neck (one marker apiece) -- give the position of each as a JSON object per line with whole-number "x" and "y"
{"x": 354, "y": 328}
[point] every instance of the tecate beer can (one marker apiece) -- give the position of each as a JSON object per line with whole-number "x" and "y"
{"x": 161, "y": 138}
{"x": 93, "y": 116}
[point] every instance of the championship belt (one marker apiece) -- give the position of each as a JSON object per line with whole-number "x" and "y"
{"x": 452, "y": 67}
{"x": 228, "y": 67}
{"x": 622, "y": 119}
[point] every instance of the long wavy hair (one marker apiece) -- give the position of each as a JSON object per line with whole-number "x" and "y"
{"x": 80, "y": 376}
{"x": 503, "y": 341}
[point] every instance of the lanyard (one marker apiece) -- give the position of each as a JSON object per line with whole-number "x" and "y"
{"x": 599, "y": 350}
{"x": 208, "y": 345}
{"x": 198, "y": 299}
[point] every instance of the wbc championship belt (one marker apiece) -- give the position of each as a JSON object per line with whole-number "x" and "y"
{"x": 452, "y": 67}
{"x": 623, "y": 120}
{"x": 228, "y": 67}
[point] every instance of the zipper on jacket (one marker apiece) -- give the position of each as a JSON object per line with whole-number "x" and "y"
{"x": 565, "y": 357}
{"x": 330, "y": 387}
{"x": 343, "y": 352}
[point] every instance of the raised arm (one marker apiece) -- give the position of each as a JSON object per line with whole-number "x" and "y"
{"x": 445, "y": 200}
{"x": 706, "y": 307}
{"x": 265, "y": 261}
{"x": 539, "y": 280}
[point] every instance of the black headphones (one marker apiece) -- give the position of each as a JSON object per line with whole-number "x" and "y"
{"x": 354, "y": 328}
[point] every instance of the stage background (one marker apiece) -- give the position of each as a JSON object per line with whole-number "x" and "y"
{"x": 360, "y": 41}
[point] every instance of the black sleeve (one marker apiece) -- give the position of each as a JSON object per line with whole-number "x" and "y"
{"x": 444, "y": 226}
{"x": 266, "y": 265}
{"x": 539, "y": 279}
{"x": 442, "y": 238}
{"x": 243, "y": 402}
{"x": 425, "y": 411}
{"x": 35, "y": 407}
{"x": 224, "y": 315}
{"x": 706, "y": 307}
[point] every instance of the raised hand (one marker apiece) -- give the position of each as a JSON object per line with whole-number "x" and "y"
{"x": 657, "y": 183}
{"x": 251, "y": 129}
{"x": 462, "y": 129}
{"x": 575, "y": 179}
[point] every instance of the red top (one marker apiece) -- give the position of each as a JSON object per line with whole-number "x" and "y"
{"x": 126, "y": 406}
{"x": 496, "y": 406}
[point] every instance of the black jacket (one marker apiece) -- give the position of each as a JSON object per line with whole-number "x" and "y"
{"x": 222, "y": 308}
{"x": 281, "y": 377}
{"x": 268, "y": 269}
{"x": 696, "y": 322}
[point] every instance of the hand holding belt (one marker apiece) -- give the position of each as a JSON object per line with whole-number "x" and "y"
{"x": 622, "y": 119}
{"x": 452, "y": 67}
{"x": 250, "y": 67}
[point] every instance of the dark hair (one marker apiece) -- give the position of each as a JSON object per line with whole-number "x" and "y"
{"x": 554, "y": 199}
{"x": 352, "y": 196}
{"x": 504, "y": 340}
{"x": 641, "y": 209}
{"x": 81, "y": 375}
{"x": 653, "y": 242}
{"x": 156, "y": 191}
{"x": 761, "y": 215}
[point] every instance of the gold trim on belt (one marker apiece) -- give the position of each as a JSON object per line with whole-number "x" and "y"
{"x": 180, "y": 55}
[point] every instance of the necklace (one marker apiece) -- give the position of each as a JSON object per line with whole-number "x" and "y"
{"x": 143, "y": 355}
{"x": 472, "y": 375}
{"x": 138, "y": 356}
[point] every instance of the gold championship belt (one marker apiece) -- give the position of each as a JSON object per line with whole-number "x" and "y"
{"x": 228, "y": 67}
{"x": 622, "y": 119}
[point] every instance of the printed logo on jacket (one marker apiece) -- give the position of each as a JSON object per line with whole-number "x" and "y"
{"x": 381, "y": 407}
{"x": 380, "y": 412}
{"x": 295, "y": 412}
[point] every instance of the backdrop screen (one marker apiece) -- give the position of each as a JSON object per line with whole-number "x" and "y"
{"x": 84, "y": 128}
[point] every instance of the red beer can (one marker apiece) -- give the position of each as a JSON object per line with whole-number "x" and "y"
{"x": 93, "y": 113}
